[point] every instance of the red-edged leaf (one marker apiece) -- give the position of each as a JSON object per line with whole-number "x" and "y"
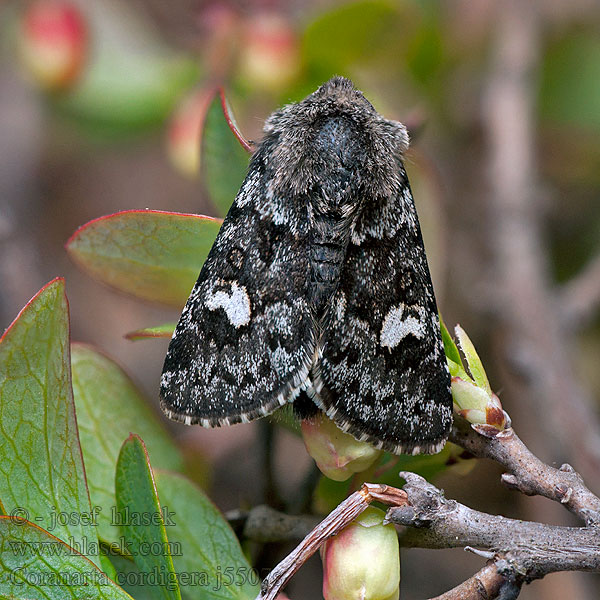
{"x": 42, "y": 476}
{"x": 224, "y": 162}
{"x": 38, "y": 566}
{"x": 247, "y": 145}
{"x": 150, "y": 254}
{"x": 141, "y": 517}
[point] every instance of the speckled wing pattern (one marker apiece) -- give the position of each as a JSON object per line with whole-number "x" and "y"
{"x": 244, "y": 342}
{"x": 383, "y": 375}
{"x": 317, "y": 286}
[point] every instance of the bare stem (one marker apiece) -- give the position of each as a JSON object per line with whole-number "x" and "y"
{"x": 534, "y": 549}
{"x": 521, "y": 550}
{"x": 492, "y": 581}
{"x": 529, "y": 474}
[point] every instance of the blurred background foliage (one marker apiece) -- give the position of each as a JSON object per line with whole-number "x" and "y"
{"x": 123, "y": 131}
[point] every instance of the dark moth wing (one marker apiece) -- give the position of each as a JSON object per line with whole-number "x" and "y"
{"x": 383, "y": 375}
{"x": 245, "y": 340}
{"x": 317, "y": 284}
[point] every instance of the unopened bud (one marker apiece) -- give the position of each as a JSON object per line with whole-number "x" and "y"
{"x": 185, "y": 130}
{"x": 337, "y": 454}
{"x": 476, "y": 405}
{"x": 363, "y": 561}
{"x": 269, "y": 55}
{"x": 471, "y": 391}
{"x": 53, "y": 42}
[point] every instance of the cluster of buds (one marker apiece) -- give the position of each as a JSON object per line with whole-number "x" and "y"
{"x": 261, "y": 49}
{"x": 471, "y": 391}
{"x": 337, "y": 454}
{"x": 362, "y": 562}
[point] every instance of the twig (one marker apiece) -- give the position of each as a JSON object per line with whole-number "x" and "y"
{"x": 265, "y": 524}
{"x": 529, "y": 474}
{"x": 534, "y": 549}
{"x": 524, "y": 550}
{"x": 495, "y": 580}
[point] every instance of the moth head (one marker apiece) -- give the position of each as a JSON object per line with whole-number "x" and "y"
{"x": 335, "y": 128}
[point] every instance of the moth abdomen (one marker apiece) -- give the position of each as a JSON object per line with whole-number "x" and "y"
{"x": 325, "y": 266}
{"x": 329, "y": 235}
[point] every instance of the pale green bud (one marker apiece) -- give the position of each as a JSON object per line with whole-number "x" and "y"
{"x": 337, "y": 454}
{"x": 363, "y": 561}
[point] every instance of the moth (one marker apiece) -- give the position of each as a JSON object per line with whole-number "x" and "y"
{"x": 317, "y": 290}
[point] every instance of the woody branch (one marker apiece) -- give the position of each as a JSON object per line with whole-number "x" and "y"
{"x": 518, "y": 551}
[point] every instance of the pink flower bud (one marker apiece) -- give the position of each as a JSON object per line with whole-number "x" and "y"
{"x": 337, "y": 454}
{"x": 185, "y": 130}
{"x": 269, "y": 53}
{"x": 363, "y": 561}
{"x": 53, "y": 42}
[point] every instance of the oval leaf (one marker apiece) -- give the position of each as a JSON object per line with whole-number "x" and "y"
{"x": 36, "y": 565}
{"x": 450, "y": 347}
{"x": 473, "y": 361}
{"x": 206, "y": 544}
{"x": 232, "y": 123}
{"x": 42, "y": 476}
{"x": 150, "y": 254}
{"x": 224, "y": 162}
{"x": 141, "y": 519}
{"x": 131, "y": 79}
{"x": 104, "y": 394}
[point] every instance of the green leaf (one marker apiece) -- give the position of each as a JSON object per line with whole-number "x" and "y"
{"x": 473, "y": 361}
{"x": 205, "y": 544}
{"x": 41, "y": 471}
{"x": 36, "y": 565}
{"x": 104, "y": 394}
{"x": 131, "y": 80}
{"x": 141, "y": 519}
{"x": 450, "y": 347}
{"x": 160, "y": 331}
{"x": 131, "y": 579}
{"x": 151, "y": 254}
{"x": 224, "y": 162}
